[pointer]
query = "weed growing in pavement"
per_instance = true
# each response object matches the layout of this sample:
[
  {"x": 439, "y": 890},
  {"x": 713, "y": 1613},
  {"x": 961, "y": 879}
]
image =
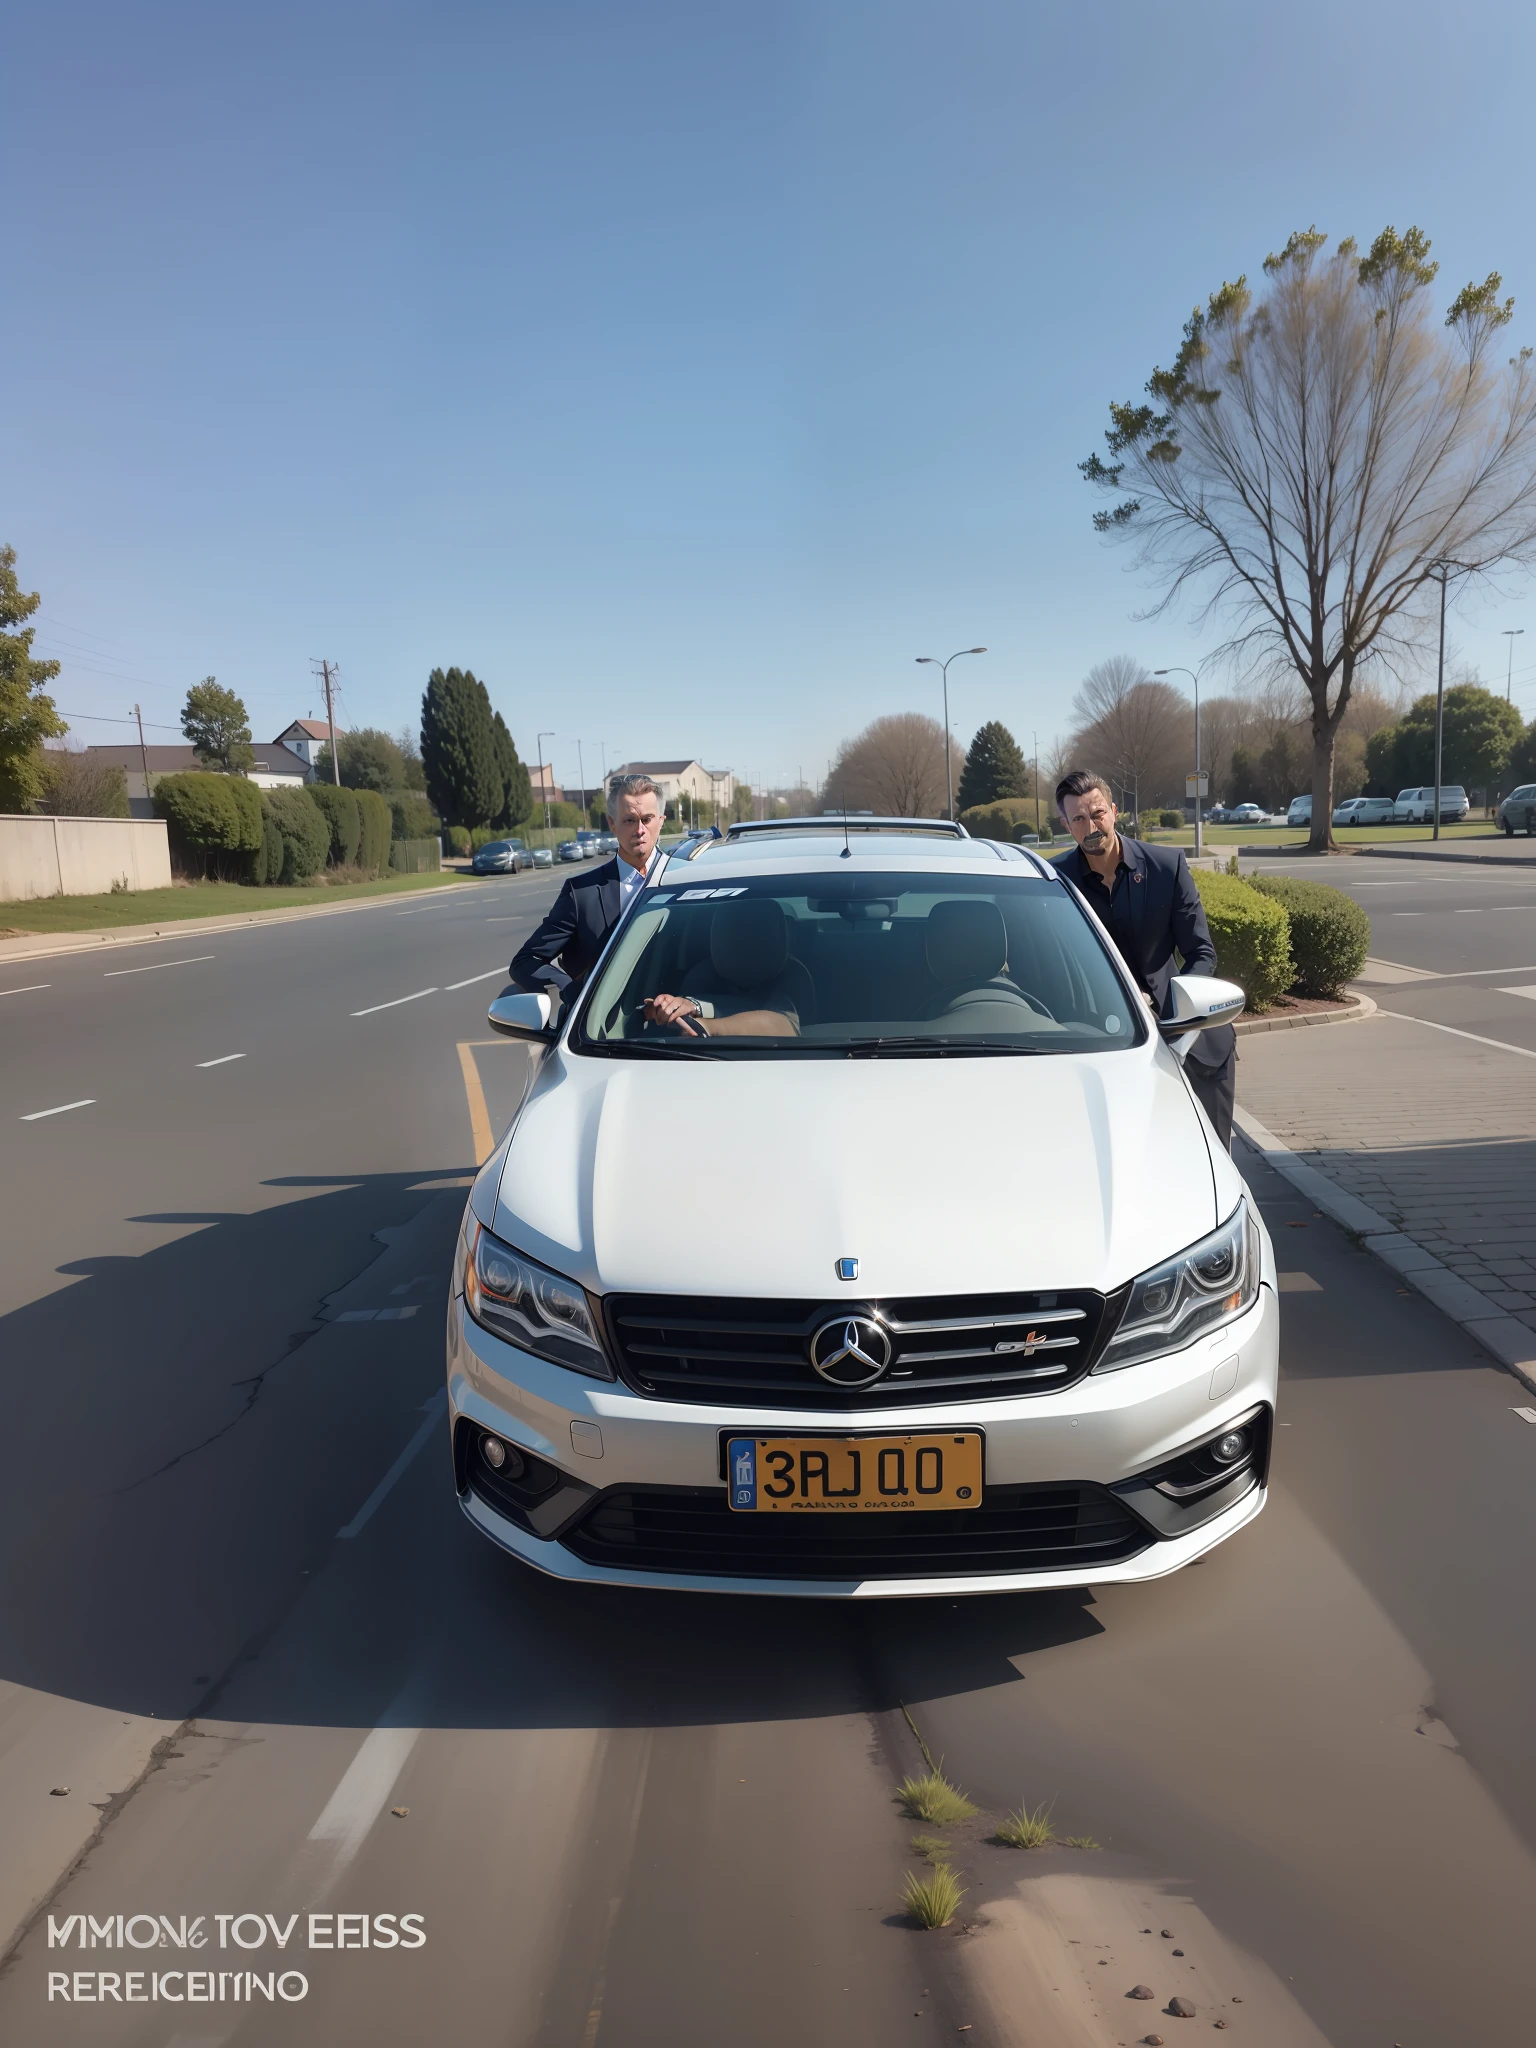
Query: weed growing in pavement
[
  {"x": 1026, "y": 1830},
  {"x": 933, "y": 1901},
  {"x": 1082, "y": 1842},
  {"x": 933, "y": 1798},
  {"x": 932, "y": 1848}
]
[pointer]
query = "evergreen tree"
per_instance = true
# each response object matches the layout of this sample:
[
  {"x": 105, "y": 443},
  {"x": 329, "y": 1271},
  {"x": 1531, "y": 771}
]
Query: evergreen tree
[
  {"x": 994, "y": 768},
  {"x": 27, "y": 718},
  {"x": 518, "y": 801},
  {"x": 458, "y": 749},
  {"x": 215, "y": 721}
]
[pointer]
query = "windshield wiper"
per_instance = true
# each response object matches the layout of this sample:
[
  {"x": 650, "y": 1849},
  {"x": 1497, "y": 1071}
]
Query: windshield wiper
[
  {"x": 937, "y": 1046},
  {"x": 642, "y": 1049}
]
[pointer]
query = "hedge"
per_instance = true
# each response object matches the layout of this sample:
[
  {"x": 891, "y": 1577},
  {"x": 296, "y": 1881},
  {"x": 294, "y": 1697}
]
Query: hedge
[
  {"x": 458, "y": 841},
  {"x": 306, "y": 835},
  {"x": 1005, "y": 819},
  {"x": 1252, "y": 936},
  {"x": 1330, "y": 933},
  {"x": 374, "y": 823},
  {"x": 415, "y": 856},
  {"x": 267, "y": 865},
  {"x": 339, "y": 807},
  {"x": 213, "y": 821},
  {"x": 412, "y": 816}
]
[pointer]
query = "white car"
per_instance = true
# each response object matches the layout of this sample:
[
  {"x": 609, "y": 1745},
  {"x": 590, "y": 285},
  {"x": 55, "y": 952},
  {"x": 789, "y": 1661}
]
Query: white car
[
  {"x": 1247, "y": 814},
  {"x": 862, "y": 1364},
  {"x": 1365, "y": 810},
  {"x": 1300, "y": 812},
  {"x": 1417, "y": 806}
]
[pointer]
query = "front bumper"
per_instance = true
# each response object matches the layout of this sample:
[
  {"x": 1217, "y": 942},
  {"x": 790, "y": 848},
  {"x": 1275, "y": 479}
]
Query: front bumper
[{"x": 1099, "y": 1435}]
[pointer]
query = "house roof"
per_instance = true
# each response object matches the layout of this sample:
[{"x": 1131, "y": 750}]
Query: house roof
[
  {"x": 272, "y": 759},
  {"x": 654, "y": 767},
  {"x": 311, "y": 728},
  {"x": 275, "y": 759}
]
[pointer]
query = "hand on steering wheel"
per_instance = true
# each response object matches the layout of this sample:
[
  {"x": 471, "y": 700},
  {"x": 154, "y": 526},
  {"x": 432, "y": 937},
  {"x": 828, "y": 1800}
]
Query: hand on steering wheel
[{"x": 681, "y": 1012}]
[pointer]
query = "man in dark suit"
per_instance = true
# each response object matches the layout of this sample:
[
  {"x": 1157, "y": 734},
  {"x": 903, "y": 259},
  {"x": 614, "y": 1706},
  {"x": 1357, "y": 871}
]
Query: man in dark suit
[
  {"x": 1145, "y": 897},
  {"x": 565, "y": 948}
]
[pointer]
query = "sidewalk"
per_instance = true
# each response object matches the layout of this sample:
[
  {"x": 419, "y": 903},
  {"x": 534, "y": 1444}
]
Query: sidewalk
[{"x": 1437, "y": 1138}]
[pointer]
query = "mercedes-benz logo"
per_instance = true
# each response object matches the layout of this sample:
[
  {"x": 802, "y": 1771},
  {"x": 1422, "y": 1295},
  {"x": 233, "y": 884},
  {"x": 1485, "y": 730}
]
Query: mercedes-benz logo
[{"x": 851, "y": 1351}]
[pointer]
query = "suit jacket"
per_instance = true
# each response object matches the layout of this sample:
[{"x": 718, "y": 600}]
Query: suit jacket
[
  {"x": 573, "y": 934},
  {"x": 1169, "y": 932}
]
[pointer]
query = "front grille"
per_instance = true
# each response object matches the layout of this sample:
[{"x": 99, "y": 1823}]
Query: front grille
[
  {"x": 947, "y": 1347},
  {"x": 1016, "y": 1529}
]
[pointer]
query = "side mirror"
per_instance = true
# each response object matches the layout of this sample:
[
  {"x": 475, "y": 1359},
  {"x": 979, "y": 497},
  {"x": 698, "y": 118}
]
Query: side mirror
[
  {"x": 1199, "y": 1002},
  {"x": 524, "y": 1016}
]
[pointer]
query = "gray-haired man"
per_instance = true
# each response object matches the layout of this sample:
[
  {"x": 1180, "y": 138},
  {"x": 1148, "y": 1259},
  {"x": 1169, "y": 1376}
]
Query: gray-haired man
[{"x": 565, "y": 948}]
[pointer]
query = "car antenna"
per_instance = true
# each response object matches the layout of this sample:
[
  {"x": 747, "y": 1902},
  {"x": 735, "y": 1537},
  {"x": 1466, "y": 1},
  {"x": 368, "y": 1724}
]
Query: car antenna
[{"x": 847, "y": 852}]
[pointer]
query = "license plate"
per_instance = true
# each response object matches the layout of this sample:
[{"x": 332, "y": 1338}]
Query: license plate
[{"x": 821, "y": 1474}]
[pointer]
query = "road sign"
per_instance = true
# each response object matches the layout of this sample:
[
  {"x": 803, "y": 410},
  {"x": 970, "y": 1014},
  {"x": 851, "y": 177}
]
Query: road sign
[{"x": 1197, "y": 785}]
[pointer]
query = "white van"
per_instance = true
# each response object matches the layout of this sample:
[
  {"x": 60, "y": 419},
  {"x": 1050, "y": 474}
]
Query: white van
[{"x": 1417, "y": 806}]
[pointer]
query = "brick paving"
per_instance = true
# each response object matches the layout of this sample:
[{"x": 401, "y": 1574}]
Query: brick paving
[{"x": 1437, "y": 1134}]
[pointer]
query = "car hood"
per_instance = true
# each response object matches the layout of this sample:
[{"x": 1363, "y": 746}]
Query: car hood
[{"x": 938, "y": 1175}]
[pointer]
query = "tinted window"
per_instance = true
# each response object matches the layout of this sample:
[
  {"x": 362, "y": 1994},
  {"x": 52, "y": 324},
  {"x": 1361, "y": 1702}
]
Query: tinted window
[{"x": 874, "y": 963}]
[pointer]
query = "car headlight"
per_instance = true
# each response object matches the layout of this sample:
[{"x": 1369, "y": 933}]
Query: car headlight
[
  {"x": 540, "y": 1311},
  {"x": 1213, "y": 1282}
]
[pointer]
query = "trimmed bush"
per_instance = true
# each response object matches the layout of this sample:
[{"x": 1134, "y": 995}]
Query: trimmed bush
[
  {"x": 1252, "y": 936},
  {"x": 213, "y": 821},
  {"x": 374, "y": 824},
  {"x": 415, "y": 857},
  {"x": 267, "y": 866},
  {"x": 458, "y": 841},
  {"x": 1330, "y": 933},
  {"x": 305, "y": 833},
  {"x": 1005, "y": 819},
  {"x": 339, "y": 809},
  {"x": 1171, "y": 821},
  {"x": 411, "y": 816}
]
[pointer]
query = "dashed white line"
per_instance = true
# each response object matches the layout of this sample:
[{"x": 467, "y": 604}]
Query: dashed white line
[
  {"x": 434, "y": 1412},
  {"x": 416, "y": 998},
  {"x": 1477, "y": 1038},
  {"x": 1526, "y": 1414},
  {"x": 474, "y": 978},
  {"x": 222, "y": 1061},
  {"x": 113, "y": 973},
  {"x": 58, "y": 1109},
  {"x": 31, "y": 989}
]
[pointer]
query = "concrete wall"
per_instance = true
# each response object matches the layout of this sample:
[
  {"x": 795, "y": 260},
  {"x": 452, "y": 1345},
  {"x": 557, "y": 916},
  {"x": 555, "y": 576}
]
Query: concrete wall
[{"x": 81, "y": 856}]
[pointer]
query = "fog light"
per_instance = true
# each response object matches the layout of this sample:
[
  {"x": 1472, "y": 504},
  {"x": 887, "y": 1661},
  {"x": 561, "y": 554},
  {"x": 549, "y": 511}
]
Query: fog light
[
  {"x": 1229, "y": 1448},
  {"x": 493, "y": 1451}
]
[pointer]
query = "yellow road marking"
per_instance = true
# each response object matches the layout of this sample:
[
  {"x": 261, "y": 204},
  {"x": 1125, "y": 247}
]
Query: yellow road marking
[{"x": 483, "y": 1137}]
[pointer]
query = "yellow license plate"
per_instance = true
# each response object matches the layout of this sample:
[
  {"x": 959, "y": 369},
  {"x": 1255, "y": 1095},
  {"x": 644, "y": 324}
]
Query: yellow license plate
[{"x": 822, "y": 1474}]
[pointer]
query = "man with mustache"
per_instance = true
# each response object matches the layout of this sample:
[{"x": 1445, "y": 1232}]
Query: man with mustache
[{"x": 1145, "y": 897}]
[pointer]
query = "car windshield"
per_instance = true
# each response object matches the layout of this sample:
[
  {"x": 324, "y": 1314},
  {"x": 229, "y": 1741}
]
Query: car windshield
[
  {"x": 867, "y": 964},
  {"x": 495, "y": 846}
]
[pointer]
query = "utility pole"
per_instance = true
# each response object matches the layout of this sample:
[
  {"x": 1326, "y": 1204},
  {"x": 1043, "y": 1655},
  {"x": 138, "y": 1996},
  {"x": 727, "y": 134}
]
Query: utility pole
[
  {"x": 1511, "y": 634},
  {"x": 930, "y": 661},
  {"x": 581, "y": 770},
  {"x": 328, "y": 671},
  {"x": 1034, "y": 741},
  {"x": 143, "y": 750},
  {"x": 543, "y": 785}
]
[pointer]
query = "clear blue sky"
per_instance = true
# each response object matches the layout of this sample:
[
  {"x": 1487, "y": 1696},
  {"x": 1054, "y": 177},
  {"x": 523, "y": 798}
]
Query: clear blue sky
[{"x": 684, "y": 369}]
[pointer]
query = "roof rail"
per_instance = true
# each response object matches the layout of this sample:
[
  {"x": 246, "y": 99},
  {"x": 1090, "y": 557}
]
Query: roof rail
[{"x": 849, "y": 821}]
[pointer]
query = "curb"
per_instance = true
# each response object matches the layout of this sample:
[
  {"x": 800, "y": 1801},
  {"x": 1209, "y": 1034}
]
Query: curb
[
  {"x": 1361, "y": 1007},
  {"x": 1504, "y": 1337},
  {"x": 1488, "y": 860},
  {"x": 50, "y": 945}
]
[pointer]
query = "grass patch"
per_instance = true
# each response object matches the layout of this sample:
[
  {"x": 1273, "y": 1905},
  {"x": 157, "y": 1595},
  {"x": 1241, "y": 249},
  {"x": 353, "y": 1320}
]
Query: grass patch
[
  {"x": 933, "y": 1798},
  {"x": 196, "y": 899},
  {"x": 933, "y": 1901},
  {"x": 1026, "y": 1830},
  {"x": 1082, "y": 1842},
  {"x": 932, "y": 1848}
]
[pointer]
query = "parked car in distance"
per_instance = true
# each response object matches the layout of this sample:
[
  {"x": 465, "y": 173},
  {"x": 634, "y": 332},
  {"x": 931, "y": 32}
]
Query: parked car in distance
[
  {"x": 1517, "y": 813},
  {"x": 1364, "y": 810},
  {"x": 543, "y": 856},
  {"x": 607, "y": 842},
  {"x": 1217, "y": 814},
  {"x": 1300, "y": 812},
  {"x": 569, "y": 849},
  {"x": 1417, "y": 806},
  {"x": 587, "y": 841},
  {"x": 1247, "y": 814},
  {"x": 501, "y": 857}
]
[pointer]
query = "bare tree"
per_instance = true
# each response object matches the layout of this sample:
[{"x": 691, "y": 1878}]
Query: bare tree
[
  {"x": 1136, "y": 732},
  {"x": 76, "y": 784},
  {"x": 1318, "y": 454},
  {"x": 894, "y": 767}
]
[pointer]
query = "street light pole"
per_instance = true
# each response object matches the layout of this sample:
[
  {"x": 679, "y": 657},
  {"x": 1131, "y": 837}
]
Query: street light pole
[
  {"x": 1511, "y": 634},
  {"x": 1196, "y": 681},
  {"x": 543, "y": 785},
  {"x": 949, "y": 765}
]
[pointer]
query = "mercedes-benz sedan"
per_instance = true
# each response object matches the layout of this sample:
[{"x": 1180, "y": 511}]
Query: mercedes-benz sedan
[{"x": 974, "y": 1299}]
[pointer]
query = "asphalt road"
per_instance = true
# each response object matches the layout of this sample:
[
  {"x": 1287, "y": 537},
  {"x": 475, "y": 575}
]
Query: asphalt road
[{"x": 631, "y": 1820}]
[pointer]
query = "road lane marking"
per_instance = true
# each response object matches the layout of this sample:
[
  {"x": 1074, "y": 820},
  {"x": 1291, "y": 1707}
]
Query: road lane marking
[
  {"x": 223, "y": 1061},
  {"x": 366, "y": 1512},
  {"x": 1526, "y": 1414},
  {"x": 474, "y": 978},
  {"x": 482, "y": 1137},
  {"x": 113, "y": 973},
  {"x": 84, "y": 1103},
  {"x": 1468, "y": 913},
  {"x": 420, "y": 907},
  {"x": 1477, "y": 1038},
  {"x": 373, "y": 1011},
  {"x": 1528, "y": 990},
  {"x": 31, "y": 989}
]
